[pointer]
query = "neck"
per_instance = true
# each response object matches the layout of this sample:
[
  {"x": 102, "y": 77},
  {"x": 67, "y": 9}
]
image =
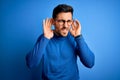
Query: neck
[{"x": 56, "y": 33}]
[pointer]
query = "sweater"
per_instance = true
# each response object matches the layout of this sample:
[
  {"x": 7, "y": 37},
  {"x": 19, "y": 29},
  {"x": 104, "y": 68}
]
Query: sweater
[{"x": 59, "y": 56}]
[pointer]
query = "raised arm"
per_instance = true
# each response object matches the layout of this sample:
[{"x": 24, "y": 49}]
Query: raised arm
[
  {"x": 33, "y": 57},
  {"x": 85, "y": 54}
]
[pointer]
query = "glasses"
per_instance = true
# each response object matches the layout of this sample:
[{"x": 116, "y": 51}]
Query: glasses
[{"x": 62, "y": 22}]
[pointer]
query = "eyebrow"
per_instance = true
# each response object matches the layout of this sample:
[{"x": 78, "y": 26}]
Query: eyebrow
[{"x": 65, "y": 20}]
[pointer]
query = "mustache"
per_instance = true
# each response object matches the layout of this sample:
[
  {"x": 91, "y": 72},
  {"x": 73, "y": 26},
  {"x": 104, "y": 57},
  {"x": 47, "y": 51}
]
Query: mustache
[{"x": 65, "y": 28}]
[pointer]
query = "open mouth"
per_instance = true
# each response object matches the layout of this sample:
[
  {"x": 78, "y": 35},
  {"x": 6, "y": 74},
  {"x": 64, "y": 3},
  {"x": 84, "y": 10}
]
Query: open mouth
[{"x": 64, "y": 30}]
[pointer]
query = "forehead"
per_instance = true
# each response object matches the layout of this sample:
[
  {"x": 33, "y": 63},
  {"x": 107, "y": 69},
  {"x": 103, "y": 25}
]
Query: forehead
[{"x": 65, "y": 15}]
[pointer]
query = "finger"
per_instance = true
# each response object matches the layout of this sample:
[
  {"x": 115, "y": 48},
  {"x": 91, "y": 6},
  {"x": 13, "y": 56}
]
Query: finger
[
  {"x": 46, "y": 21},
  {"x": 73, "y": 25},
  {"x": 71, "y": 30},
  {"x": 49, "y": 22},
  {"x": 43, "y": 23},
  {"x": 77, "y": 23}
]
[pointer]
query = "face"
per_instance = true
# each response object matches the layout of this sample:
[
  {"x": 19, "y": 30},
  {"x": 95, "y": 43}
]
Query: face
[{"x": 63, "y": 23}]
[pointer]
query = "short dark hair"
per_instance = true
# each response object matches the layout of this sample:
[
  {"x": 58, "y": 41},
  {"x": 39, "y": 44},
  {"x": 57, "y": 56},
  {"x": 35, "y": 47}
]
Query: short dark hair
[{"x": 62, "y": 8}]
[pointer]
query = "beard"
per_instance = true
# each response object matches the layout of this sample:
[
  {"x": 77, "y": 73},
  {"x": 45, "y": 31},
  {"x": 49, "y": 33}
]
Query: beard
[{"x": 62, "y": 32}]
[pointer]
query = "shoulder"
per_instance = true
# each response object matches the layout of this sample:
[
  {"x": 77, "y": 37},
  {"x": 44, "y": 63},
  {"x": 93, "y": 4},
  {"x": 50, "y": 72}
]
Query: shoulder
[
  {"x": 70, "y": 37},
  {"x": 41, "y": 36}
]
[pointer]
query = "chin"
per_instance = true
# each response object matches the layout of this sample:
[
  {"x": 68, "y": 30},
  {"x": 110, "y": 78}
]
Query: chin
[{"x": 64, "y": 34}]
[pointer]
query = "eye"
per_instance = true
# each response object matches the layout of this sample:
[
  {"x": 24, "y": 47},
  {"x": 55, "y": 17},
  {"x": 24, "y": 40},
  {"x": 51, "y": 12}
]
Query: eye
[
  {"x": 69, "y": 21},
  {"x": 60, "y": 20}
]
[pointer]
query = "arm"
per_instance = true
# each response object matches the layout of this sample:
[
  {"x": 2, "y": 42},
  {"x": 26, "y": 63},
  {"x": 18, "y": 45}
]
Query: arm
[
  {"x": 34, "y": 57},
  {"x": 85, "y": 54}
]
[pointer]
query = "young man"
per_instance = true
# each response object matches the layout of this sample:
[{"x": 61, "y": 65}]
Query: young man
[{"x": 59, "y": 48}]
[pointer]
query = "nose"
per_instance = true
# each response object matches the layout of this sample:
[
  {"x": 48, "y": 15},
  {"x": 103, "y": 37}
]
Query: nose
[{"x": 65, "y": 24}]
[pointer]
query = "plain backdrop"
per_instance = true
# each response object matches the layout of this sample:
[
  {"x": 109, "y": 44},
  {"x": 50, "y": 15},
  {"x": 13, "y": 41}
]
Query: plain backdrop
[{"x": 21, "y": 25}]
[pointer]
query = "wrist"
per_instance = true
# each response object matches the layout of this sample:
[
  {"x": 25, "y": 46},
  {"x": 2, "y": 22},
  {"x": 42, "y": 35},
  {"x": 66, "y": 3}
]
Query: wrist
[
  {"x": 46, "y": 36},
  {"x": 78, "y": 35}
]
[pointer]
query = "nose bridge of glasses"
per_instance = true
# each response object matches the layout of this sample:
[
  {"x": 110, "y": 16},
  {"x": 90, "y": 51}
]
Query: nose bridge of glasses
[
  {"x": 63, "y": 22},
  {"x": 68, "y": 21}
]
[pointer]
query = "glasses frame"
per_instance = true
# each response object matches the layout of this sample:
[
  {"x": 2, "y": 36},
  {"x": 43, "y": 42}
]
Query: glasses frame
[{"x": 62, "y": 22}]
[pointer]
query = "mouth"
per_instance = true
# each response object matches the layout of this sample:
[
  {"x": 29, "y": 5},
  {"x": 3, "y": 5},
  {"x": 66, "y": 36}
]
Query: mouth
[{"x": 64, "y": 30}]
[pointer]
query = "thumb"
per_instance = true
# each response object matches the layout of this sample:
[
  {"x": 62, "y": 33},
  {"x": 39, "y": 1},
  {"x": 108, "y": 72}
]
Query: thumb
[{"x": 71, "y": 31}]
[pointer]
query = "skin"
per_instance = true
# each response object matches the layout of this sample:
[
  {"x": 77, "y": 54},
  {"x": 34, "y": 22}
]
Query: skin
[{"x": 61, "y": 30}]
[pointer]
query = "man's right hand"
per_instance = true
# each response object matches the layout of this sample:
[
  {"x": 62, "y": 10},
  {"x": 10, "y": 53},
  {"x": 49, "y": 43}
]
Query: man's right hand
[{"x": 48, "y": 32}]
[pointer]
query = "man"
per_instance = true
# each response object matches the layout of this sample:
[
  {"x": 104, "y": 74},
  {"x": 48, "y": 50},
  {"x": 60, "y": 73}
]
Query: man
[{"x": 60, "y": 47}]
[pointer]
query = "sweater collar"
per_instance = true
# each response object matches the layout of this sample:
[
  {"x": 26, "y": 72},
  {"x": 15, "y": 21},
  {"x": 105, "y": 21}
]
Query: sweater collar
[{"x": 59, "y": 37}]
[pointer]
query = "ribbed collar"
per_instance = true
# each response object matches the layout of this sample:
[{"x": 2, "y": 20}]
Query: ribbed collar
[{"x": 60, "y": 37}]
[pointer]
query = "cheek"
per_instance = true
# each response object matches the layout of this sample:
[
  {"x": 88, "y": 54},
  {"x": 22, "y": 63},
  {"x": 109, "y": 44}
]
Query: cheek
[
  {"x": 57, "y": 27},
  {"x": 69, "y": 27}
]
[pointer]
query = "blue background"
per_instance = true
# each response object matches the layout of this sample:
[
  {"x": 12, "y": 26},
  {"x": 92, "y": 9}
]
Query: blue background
[{"x": 21, "y": 24}]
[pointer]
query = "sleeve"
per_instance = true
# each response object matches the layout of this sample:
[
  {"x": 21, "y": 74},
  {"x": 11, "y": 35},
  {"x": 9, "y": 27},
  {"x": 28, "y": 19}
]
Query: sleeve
[
  {"x": 35, "y": 55},
  {"x": 85, "y": 54}
]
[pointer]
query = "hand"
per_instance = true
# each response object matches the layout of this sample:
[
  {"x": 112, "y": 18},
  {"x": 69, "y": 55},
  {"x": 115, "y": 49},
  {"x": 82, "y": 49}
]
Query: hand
[
  {"x": 48, "y": 33},
  {"x": 76, "y": 28}
]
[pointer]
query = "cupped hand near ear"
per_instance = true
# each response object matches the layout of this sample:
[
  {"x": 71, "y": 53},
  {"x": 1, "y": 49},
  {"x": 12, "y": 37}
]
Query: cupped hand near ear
[
  {"x": 47, "y": 24},
  {"x": 76, "y": 28}
]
